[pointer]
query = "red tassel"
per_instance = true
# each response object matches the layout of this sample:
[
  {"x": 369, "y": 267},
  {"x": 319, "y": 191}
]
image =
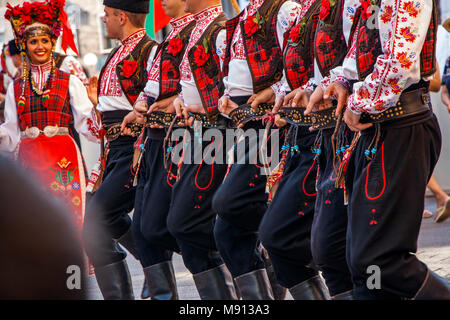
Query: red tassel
[{"x": 67, "y": 35}]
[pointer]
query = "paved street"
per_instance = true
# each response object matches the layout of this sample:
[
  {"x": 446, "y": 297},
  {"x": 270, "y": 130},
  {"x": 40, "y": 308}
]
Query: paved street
[{"x": 433, "y": 249}]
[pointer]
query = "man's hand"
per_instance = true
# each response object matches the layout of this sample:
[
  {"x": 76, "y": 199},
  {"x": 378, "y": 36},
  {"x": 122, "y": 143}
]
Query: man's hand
[
  {"x": 2, "y": 97},
  {"x": 316, "y": 101},
  {"x": 92, "y": 90},
  {"x": 197, "y": 108},
  {"x": 276, "y": 108},
  {"x": 165, "y": 105},
  {"x": 226, "y": 105},
  {"x": 140, "y": 109},
  {"x": 129, "y": 118},
  {"x": 448, "y": 108},
  {"x": 352, "y": 121},
  {"x": 340, "y": 92},
  {"x": 265, "y": 96},
  {"x": 298, "y": 97}
]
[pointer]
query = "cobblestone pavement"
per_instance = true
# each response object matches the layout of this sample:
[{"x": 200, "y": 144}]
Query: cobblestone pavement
[{"x": 433, "y": 249}]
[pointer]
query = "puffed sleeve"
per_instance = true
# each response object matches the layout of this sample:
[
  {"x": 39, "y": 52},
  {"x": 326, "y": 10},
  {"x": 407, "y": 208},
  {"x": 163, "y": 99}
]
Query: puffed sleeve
[
  {"x": 9, "y": 130},
  {"x": 85, "y": 118}
]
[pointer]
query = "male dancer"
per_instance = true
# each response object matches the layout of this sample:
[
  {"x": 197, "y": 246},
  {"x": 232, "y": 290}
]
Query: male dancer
[
  {"x": 191, "y": 217},
  {"x": 153, "y": 240},
  {"x": 122, "y": 79},
  {"x": 390, "y": 107},
  {"x": 253, "y": 63},
  {"x": 285, "y": 230}
]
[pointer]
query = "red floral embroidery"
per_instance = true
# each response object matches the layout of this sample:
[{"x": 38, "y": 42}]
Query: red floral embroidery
[
  {"x": 404, "y": 60},
  {"x": 407, "y": 34},
  {"x": 410, "y": 9},
  {"x": 365, "y": 5},
  {"x": 175, "y": 46},
  {"x": 129, "y": 67}
]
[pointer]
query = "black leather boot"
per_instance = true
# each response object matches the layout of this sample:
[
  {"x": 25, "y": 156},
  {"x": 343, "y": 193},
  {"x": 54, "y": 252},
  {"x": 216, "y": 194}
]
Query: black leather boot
[
  {"x": 347, "y": 295},
  {"x": 215, "y": 284},
  {"x": 127, "y": 241},
  {"x": 311, "y": 289},
  {"x": 114, "y": 281},
  {"x": 433, "y": 288},
  {"x": 255, "y": 285},
  {"x": 161, "y": 281},
  {"x": 279, "y": 292}
]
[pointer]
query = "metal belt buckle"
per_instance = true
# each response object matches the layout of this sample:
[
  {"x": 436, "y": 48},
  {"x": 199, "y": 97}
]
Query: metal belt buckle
[
  {"x": 51, "y": 131},
  {"x": 425, "y": 98},
  {"x": 32, "y": 132}
]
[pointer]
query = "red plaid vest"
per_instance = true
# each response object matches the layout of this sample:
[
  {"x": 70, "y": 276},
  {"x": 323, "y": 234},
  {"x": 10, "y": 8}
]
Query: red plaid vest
[
  {"x": 299, "y": 57},
  {"x": 208, "y": 77},
  {"x": 264, "y": 54},
  {"x": 368, "y": 47},
  {"x": 169, "y": 71},
  {"x": 330, "y": 46},
  {"x": 56, "y": 113},
  {"x": 135, "y": 84}
]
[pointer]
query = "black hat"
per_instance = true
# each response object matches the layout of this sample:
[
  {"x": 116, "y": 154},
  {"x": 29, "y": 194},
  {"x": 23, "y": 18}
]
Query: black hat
[
  {"x": 134, "y": 6},
  {"x": 13, "y": 49}
]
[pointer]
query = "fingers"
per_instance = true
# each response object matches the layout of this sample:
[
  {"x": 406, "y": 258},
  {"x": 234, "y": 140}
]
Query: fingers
[
  {"x": 223, "y": 102},
  {"x": 280, "y": 122},
  {"x": 289, "y": 97},
  {"x": 153, "y": 107},
  {"x": 256, "y": 102},
  {"x": 296, "y": 99},
  {"x": 278, "y": 105}
]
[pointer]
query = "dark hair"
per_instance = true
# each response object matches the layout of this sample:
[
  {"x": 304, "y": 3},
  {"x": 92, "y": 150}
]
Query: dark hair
[{"x": 13, "y": 49}]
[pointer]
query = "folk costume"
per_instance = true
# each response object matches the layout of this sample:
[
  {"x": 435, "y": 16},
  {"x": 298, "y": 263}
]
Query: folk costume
[
  {"x": 191, "y": 218},
  {"x": 121, "y": 80},
  {"x": 390, "y": 166},
  {"x": 285, "y": 230},
  {"x": 329, "y": 228},
  {"x": 42, "y": 105},
  {"x": 153, "y": 240},
  {"x": 252, "y": 63}
]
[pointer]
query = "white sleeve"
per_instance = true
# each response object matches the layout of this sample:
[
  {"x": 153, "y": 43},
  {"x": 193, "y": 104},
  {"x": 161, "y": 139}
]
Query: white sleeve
[
  {"x": 151, "y": 58},
  {"x": 287, "y": 16},
  {"x": 72, "y": 66},
  {"x": 9, "y": 130},
  {"x": 221, "y": 46},
  {"x": 85, "y": 119}
]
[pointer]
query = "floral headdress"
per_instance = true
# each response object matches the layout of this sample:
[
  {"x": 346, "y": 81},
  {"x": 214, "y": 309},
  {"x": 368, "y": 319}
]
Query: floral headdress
[{"x": 38, "y": 18}]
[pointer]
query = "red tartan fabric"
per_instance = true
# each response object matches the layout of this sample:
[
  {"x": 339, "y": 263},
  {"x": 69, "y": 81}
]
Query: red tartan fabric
[
  {"x": 330, "y": 45},
  {"x": 169, "y": 78},
  {"x": 56, "y": 112},
  {"x": 264, "y": 54},
  {"x": 299, "y": 58},
  {"x": 208, "y": 77}
]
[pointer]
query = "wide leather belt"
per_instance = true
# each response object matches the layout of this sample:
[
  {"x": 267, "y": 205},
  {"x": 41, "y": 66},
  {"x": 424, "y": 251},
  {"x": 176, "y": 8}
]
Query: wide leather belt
[
  {"x": 410, "y": 103},
  {"x": 165, "y": 119},
  {"x": 295, "y": 116},
  {"x": 49, "y": 131},
  {"x": 245, "y": 113},
  {"x": 159, "y": 118},
  {"x": 113, "y": 131}
]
